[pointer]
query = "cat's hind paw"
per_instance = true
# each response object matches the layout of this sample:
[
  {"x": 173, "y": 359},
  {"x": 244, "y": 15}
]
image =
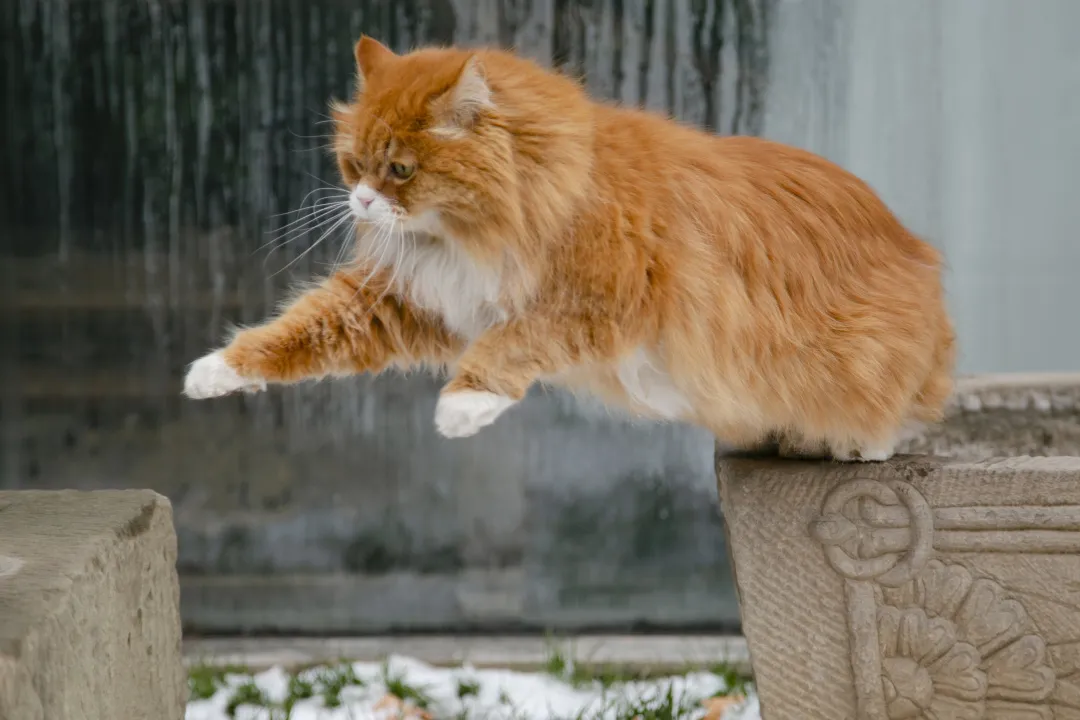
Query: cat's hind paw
[
  {"x": 871, "y": 452},
  {"x": 462, "y": 414},
  {"x": 210, "y": 376},
  {"x": 797, "y": 448}
]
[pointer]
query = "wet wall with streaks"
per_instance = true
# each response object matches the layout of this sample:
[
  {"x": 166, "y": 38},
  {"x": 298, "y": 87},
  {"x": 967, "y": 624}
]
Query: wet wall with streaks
[{"x": 154, "y": 152}]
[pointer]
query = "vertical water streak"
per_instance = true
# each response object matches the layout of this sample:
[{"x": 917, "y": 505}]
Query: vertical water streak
[
  {"x": 11, "y": 401},
  {"x": 56, "y": 26},
  {"x": 204, "y": 107}
]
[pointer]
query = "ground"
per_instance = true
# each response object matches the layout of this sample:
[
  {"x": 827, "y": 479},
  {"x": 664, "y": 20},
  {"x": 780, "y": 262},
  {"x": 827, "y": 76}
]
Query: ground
[{"x": 403, "y": 688}]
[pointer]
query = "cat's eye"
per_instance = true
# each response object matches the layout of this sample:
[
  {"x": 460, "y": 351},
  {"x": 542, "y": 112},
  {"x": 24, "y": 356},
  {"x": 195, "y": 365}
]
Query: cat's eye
[{"x": 401, "y": 171}]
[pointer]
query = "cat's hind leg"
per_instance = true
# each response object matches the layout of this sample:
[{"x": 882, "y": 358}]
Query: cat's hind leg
[{"x": 795, "y": 446}]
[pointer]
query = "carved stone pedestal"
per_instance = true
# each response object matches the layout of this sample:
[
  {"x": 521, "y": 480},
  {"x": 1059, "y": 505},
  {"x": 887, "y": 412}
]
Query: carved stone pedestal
[{"x": 921, "y": 588}]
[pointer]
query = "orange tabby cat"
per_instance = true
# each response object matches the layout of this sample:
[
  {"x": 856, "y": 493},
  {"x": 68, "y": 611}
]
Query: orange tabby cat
[{"x": 516, "y": 232}]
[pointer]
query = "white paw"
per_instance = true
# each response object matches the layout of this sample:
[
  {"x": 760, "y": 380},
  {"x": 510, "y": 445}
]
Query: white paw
[
  {"x": 461, "y": 414},
  {"x": 851, "y": 452},
  {"x": 210, "y": 376},
  {"x": 875, "y": 454}
]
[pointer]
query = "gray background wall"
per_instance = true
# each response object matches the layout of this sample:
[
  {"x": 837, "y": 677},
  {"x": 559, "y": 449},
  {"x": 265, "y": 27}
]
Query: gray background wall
[
  {"x": 963, "y": 114},
  {"x": 151, "y": 144}
]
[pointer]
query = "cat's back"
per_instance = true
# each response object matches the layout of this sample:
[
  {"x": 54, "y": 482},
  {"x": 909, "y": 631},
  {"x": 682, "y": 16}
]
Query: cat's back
[
  {"x": 783, "y": 286},
  {"x": 640, "y": 139},
  {"x": 760, "y": 189}
]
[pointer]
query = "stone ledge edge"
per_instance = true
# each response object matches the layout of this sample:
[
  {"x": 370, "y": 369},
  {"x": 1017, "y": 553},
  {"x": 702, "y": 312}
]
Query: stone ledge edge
[{"x": 1041, "y": 392}]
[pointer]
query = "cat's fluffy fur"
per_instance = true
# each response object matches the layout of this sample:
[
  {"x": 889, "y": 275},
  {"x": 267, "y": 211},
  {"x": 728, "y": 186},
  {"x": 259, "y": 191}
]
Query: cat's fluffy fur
[{"x": 528, "y": 234}]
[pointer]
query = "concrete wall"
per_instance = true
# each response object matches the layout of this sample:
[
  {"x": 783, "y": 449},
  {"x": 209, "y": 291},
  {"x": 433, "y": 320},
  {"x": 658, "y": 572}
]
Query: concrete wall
[
  {"x": 963, "y": 115},
  {"x": 152, "y": 146}
]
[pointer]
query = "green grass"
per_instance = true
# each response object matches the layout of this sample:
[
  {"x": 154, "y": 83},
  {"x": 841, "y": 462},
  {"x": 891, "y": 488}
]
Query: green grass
[
  {"x": 557, "y": 665},
  {"x": 467, "y": 688},
  {"x": 735, "y": 683},
  {"x": 246, "y": 694},
  {"x": 299, "y": 689},
  {"x": 579, "y": 675},
  {"x": 396, "y": 686},
  {"x": 201, "y": 684},
  {"x": 205, "y": 680},
  {"x": 329, "y": 682},
  {"x": 583, "y": 674},
  {"x": 662, "y": 705}
]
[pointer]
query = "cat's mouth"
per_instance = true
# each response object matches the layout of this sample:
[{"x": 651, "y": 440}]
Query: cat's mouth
[{"x": 370, "y": 206}]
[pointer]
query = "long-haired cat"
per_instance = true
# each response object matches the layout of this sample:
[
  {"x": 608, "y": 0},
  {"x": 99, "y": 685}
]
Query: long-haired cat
[{"x": 514, "y": 231}]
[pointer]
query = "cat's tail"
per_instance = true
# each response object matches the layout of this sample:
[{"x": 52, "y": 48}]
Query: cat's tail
[{"x": 930, "y": 401}]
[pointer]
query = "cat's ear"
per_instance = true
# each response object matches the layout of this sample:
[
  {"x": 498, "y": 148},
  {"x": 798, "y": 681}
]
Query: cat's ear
[
  {"x": 370, "y": 53},
  {"x": 458, "y": 109}
]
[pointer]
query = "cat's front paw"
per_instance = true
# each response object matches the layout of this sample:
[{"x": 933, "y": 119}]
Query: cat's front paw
[
  {"x": 210, "y": 376},
  {"x": 461, "y": 414}
]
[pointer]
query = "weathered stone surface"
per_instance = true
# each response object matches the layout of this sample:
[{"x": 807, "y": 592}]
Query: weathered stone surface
[
  {"x": 654, "y": 653},
  {"x": 1017, "y": 414},
  {"x": 918, "y": 588},
  {"x": 89, "y": 616}
]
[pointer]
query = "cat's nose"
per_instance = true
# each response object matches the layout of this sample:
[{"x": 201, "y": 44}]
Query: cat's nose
[{"x": 366, "y": 201}]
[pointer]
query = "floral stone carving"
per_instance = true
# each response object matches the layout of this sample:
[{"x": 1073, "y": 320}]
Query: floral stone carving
[
  {"x": 951, "y": 664},
  {"x": 929, "y": 589}
]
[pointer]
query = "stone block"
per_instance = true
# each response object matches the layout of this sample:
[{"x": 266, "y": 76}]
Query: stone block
[
  {"x": 89, "y": 607},
  {"x": 920, "y": 588}
]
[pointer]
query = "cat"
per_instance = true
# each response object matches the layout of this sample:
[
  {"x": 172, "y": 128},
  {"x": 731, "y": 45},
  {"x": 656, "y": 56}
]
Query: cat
[{"x": 516, "y": 232}]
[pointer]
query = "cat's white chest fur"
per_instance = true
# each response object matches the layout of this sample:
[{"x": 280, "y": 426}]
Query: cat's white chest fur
[
  {"x": 437, "y": 275},
  {"x": 442, "y": 278},
  {"x": 648, "y": 384}
]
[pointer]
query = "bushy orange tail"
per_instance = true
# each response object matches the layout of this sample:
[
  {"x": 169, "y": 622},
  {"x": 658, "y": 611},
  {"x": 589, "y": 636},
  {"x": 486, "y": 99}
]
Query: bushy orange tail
[{"x": 931, "y": 398}]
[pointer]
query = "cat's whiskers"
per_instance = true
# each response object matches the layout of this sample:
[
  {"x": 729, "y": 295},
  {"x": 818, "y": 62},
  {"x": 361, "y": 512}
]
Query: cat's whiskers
[
  {"x": 328, "y": 136},
  {"x": 328, "y": 146},
  {"x": 399, "y": 246},
  {"x": 338, "y": 190},
  {"x": 311, "y": 222},
  {"x": 350, "y": 242},
  {"x": 372, "y": 249},
  {"x": 321, "y": 208},
  {"x": 385, "y": 243},
  {"x": 378, "y": 243},
  {"x": 323, "y": 183},
  {"x": 315, "y": 244}
]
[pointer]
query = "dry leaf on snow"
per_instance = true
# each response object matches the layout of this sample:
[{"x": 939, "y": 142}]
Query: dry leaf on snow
[
  {"x": 717, "y": 706},
  {"x": 400, "y": 710}
]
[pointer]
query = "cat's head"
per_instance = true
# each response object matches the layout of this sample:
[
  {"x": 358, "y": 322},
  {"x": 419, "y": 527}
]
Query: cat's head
[
  {"x": 416, "y": 145},
  {"x": 456, "y": 142}
]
